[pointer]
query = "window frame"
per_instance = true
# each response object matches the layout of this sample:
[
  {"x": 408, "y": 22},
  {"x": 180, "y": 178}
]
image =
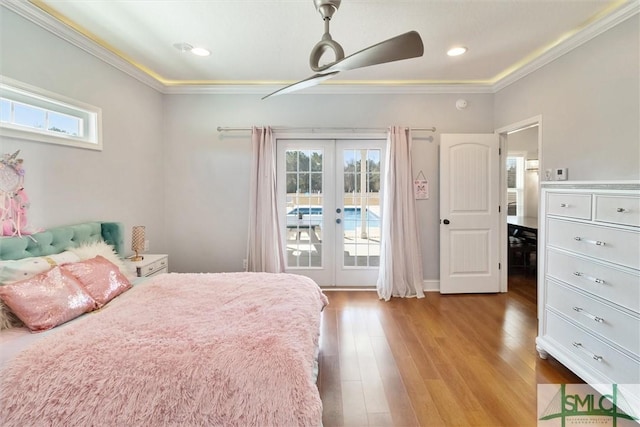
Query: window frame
[
  {"x": 518, "y": 190},
  {"x": 16, "y": 92}
]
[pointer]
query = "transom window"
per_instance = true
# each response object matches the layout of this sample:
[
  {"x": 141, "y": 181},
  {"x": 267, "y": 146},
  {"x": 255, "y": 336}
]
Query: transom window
[{"x": 27, "y": 112}]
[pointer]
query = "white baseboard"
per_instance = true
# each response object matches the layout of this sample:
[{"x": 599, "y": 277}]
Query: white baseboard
[
  {"x": 427, "y": 286},
  {"x": 431, "y": 285}
]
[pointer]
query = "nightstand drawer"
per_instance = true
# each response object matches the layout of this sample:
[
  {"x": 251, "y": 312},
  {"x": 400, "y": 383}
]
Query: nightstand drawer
[
  {"x": 623, "y": 210},
  {"x": 569, "y": 205},
  {"x": 159, "y": 266},
  {"x": 151, "y": 265}
]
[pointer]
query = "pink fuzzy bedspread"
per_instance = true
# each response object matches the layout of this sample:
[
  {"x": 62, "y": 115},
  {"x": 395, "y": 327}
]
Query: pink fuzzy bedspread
[{"x": 233, "y": 349}]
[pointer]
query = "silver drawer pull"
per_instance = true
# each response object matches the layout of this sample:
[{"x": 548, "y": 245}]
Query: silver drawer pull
[
  {"x": 589, "y": 315},
  {"x": 564, "y": 205},
  {"x": 621, "y": 210},
  {"x": 580, "y": 347},
  {"x": 593, "y": 242},
  {"x": 584, "y": 276}
]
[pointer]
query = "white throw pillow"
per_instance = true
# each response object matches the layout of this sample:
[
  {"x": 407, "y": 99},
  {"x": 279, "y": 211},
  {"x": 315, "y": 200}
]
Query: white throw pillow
[
  {"x": 102, "y": 248},
  {"x": 25, "y": 268}
]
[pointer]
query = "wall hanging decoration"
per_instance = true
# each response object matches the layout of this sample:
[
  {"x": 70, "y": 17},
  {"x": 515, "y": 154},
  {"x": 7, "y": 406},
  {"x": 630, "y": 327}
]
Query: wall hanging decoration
[
  {"x": 13, "y": 198},
  {"x": 421, "y": 187}
]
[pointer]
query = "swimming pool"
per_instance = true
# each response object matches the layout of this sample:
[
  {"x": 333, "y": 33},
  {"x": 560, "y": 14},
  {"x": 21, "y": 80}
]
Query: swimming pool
[
  {"x": 312, "y": 215},
  {"x": 352, "y": 219}
]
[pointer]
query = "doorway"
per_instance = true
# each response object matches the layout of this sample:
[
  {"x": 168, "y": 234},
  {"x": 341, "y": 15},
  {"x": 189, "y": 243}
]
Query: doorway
[
  {"x": 521, "y": 147},
  {"x": 329, "y": 198}
]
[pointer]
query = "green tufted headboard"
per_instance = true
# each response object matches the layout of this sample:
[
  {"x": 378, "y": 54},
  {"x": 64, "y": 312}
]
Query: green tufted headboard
[{"x": 58, "y": 239}]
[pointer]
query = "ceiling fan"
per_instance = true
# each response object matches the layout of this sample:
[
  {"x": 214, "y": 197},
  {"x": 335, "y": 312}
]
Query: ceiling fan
[{"x": 404, "y": 46}]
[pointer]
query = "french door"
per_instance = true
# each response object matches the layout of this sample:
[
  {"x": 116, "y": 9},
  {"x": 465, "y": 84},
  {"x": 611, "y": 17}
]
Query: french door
[{"x": 330, "y": 194}]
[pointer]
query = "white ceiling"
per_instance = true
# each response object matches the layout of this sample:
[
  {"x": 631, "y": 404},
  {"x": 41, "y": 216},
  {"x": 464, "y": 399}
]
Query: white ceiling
[{"x": 265, "y": 43}]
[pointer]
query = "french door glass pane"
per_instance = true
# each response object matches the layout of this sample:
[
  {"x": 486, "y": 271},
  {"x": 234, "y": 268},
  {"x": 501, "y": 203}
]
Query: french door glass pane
[
  {"x": 304, "y": 177},
  {"x": 361, "y": 215}
]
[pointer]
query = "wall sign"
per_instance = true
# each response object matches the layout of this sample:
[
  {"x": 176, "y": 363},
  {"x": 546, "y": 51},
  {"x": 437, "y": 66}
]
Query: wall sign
[{"x": 421, "y": 187}]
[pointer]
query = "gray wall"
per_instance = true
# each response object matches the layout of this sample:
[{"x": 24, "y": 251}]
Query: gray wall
[
  {"x": 66, "y": 185},
  {"x": 164, "y": 164},
  {"x": 207, "y": 172},
  {"x": 589, "y": 102}
]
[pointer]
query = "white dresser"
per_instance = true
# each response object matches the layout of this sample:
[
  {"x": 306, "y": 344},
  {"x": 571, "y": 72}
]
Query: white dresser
[{"x": 589, "y": 281}]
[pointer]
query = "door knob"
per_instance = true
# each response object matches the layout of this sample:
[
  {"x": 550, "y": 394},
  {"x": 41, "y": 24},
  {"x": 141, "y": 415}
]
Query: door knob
[
  {"x": 338, "y": 221},
  {"x": 446, "y": 221},
  {"x": 338, "y": 210}
]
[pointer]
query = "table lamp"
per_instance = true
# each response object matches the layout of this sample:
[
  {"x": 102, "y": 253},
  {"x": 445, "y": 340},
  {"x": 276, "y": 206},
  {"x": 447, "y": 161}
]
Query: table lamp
[{"x": 137, "y": 242}]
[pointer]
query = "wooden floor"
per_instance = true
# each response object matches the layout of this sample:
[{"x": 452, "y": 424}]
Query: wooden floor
[{"x": 445, "y": 360}]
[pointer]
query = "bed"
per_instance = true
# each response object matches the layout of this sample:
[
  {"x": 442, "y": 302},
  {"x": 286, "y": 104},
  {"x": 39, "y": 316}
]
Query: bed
[{"x": 232, "y": 349}]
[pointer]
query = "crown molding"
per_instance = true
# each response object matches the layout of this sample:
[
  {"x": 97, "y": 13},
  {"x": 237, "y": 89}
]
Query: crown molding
[
  {"x": 330, "y": 89},
  {"x": 41, "y": 18},
  {"x": 622, "y": 14}
]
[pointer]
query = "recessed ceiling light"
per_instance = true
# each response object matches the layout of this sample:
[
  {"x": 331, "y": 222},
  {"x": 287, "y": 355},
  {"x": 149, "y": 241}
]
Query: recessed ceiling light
[
  {"x": 186, "y": 47},
  {"x": 183, "y": 47},
  {"x": 200, "y": 51},
  {"x": 455, "y": 51}
]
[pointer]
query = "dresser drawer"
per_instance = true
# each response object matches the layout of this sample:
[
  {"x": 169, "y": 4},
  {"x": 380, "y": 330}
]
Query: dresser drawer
[
  {"x": 611, "y": 324},
  {"x": 604, "y": 243},
  {"x": 613, "y": 284},
  {"x": 615, "y": 365},
  {"x": 623, "y": 210},
  {"x": 569, "y": 205}
]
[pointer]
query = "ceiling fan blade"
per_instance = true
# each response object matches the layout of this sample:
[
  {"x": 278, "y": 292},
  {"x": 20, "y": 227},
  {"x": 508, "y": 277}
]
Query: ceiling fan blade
[
  {"x": 404, "y": 46},
  {"x": 303, "y": 84}
]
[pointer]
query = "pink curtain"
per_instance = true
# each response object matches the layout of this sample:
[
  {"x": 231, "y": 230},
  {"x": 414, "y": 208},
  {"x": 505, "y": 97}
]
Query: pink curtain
[
  {"x": 264, "y": 246},
  {"x": 400, "y": 259}
]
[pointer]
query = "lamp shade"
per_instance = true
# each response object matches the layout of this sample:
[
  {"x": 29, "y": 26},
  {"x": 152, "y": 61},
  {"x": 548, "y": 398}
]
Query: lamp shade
[{"x": 137, "y": 238}]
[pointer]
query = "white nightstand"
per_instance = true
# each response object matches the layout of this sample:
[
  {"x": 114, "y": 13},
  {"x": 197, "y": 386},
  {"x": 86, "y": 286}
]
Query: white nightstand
[{"x": 151, "y": 265}]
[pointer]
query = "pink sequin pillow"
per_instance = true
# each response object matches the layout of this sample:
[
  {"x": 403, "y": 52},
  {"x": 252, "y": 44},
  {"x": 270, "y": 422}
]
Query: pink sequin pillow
[
  {"x": 100, "y": 277},
  {"x": 47, "y": 299}
]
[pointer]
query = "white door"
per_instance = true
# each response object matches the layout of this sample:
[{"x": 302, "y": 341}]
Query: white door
[
  {"x": 469, "y": 213},
  {"x": 329, "y": 198}
]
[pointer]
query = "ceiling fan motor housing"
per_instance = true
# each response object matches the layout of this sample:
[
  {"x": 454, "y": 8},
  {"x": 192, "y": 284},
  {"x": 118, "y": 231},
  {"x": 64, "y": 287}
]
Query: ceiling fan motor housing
[{"x": 327, "y": 7}]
